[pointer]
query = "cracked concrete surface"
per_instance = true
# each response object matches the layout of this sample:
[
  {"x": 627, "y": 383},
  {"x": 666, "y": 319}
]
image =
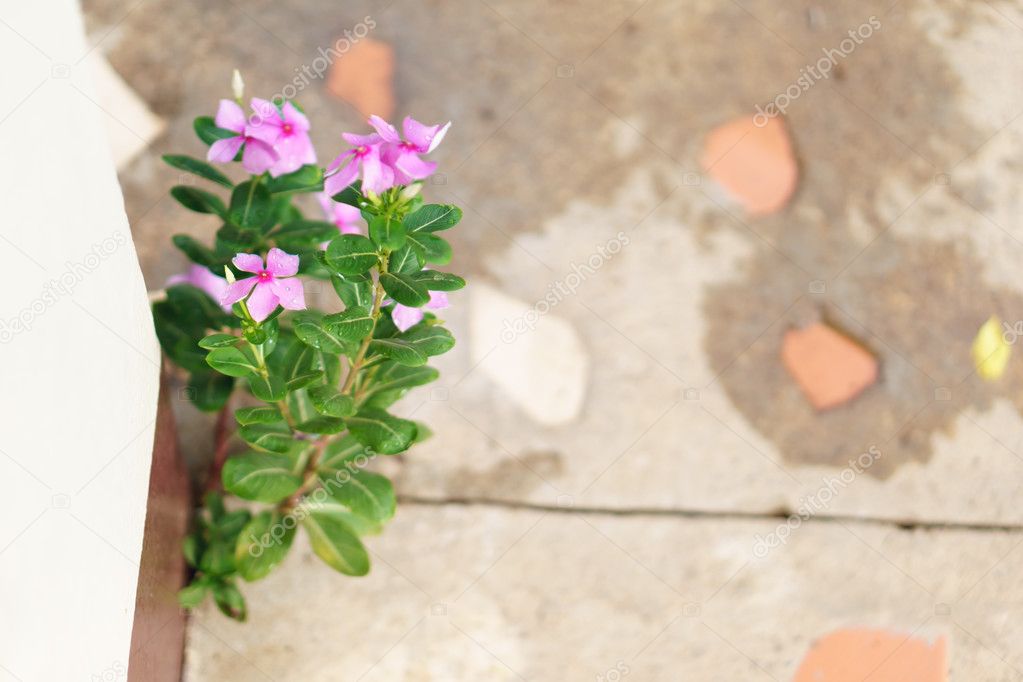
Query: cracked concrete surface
[{"x": 629, "y": 535}]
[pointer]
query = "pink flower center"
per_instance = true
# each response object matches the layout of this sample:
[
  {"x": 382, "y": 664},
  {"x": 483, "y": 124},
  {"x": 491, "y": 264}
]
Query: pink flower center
[
  {"x": 409, "y": 147},
  {"x": 287, "y": 128},
  {"x": 361, "y": 151},
  {"x": 264, "y": 276}
]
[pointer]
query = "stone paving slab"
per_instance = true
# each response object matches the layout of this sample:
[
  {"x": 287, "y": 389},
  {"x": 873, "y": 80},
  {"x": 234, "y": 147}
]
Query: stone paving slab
[
  {"x": 903, "y": 233},
  {"x": 496, "y": 594}
]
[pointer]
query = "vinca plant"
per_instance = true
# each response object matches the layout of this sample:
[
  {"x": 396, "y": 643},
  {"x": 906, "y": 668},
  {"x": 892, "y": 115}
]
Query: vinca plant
[{"x": 310, "y": 390}]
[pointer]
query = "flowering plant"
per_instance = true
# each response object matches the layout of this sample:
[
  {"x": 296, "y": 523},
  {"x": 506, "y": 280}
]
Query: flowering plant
[{"x": 316, "y": 385}]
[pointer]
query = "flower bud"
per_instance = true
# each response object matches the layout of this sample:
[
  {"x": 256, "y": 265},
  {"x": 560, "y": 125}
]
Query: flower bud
[
  {"x": 237, "y": 85},
  {"x": 411, "y": 191}
]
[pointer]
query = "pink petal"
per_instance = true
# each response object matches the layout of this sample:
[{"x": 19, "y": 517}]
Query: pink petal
[
  {"x": 295, "y": 151},
  {"x": 438, "y": 137},
  {"x": 281, "y": 264},
  {"x": 224, "y": 151},
  {"x": 405, "y": 317},
  {"x": 438, "y": 300},
  {"x": 384, "y": 129},
  {"x": 414, "y": 167},
  {"x": 295, "y": 117},
  {"x": 376, "y": 177},
  {"x": 342, "y": 178},
  {"x": 425, "y": 137},
  {"x": 359, "y": 140},
  {"x": 237, "y": 291},
  {"x": 262, "y": 302},
  {"x": 230, "y": 116},
  {"x": 248, "y": 262},
  {"x": 258, "y": 156},
  {"x": 290, "y": 293}
]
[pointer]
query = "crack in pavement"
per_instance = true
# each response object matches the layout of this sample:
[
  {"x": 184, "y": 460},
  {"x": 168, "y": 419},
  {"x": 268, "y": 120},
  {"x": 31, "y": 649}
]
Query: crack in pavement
[{"x": 710, "y": 515}]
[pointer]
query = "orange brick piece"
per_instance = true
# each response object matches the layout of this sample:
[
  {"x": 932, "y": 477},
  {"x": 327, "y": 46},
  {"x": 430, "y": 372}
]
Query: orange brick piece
[
  {"x": 364, "y": 77},
  {"x": 830, "y": 367},
  {"x": 754, "y": 163},
  {"x": 855, "y": 655}
]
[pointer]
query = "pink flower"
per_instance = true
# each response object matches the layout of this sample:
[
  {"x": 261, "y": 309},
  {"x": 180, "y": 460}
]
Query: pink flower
[
  {"x": 403, "y": 155},
  {"x": 201, "y": 278},
  {"x": 365, "y": 157},
  {"x": 344, "y": 216},
  {"x": 268, "y": 288},
  {"x": 287, "y": 130},
  {"x": 405, "y": 317},
  {"x": 258, "y": 155}
]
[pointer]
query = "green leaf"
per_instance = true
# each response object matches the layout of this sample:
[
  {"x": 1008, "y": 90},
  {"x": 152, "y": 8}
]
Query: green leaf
[
  {"x": 351, "y": 254},
  {"x": 299, "y": 235},
  {"x": 404, "y": 289},
  {"x": 196, "y": 252},
  {"x": 398, "y": 350},
  {"x": 251, "y": 205},
  {"x": 308, "y": 178},
  {"x": 258, "y": 415},
  {"x": 218, "y": 341},
  {"x": 438, "y": 281},
  {"x": 386, "y": 232},
  {"x": 336, "y": 543},
  {"x": 329, "y": 402},
  {"x": 209, "y": 391},
  {"x": 342, "y": 455},
  {"x": 431, "y": 249},
  {"x": 393, "y": 376},
  {"x": 198, "y": 200},
  {"x": 381, "y": 431},
  {"x": 209, "y": 132},
  {"x": 353, "y": 291},
  {"x": 430, "y": 340},
  {"x": 197, "y": 167},
  {"x": 191, "y": 596},
  {"x": 231, "y": 239},
  {"x": 260, "y": 477},
  {"x": 263, "y": 544},
  {"x": 327, "y": 425},
  {"x": 271, "y": 437},
  {"x": 405, "y": 261},
  {"x": 368, "y": 495},
  {"x": 268, "y": 389},
  {"x": 352, "y": 324},
  {"x": 350, "y": 195},
  {"x": 230, "y": 361},
  {"x": 304, "y": 379},
  {"x": 230, "y": 601},
  {"x": 433, "y": 218},
  {"x": 313, "y": 330}
]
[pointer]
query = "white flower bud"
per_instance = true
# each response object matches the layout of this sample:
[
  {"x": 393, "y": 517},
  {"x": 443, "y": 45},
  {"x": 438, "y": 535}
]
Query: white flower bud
[
  {"x": 411, "y": 191},
  {"x": 228, "y": 275},
  {"x": 237, "y": 85}
]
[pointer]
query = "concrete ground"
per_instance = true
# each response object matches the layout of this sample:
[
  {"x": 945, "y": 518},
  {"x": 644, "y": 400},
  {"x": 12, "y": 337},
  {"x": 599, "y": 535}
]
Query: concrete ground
[{"x": 600, "y": 490}]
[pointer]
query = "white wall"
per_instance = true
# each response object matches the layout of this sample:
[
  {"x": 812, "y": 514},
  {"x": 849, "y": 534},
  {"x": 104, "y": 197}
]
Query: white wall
[{"x": 78, "y": 388}]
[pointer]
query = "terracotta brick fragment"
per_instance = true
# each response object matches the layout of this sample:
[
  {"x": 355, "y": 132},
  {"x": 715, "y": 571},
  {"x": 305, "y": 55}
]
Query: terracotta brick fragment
[
  {"x": 754, "y": 163},
  {"x": 855, "y": 655},
  {"x": 364, "y": 77},
  {"x": 830, "y": 367}
]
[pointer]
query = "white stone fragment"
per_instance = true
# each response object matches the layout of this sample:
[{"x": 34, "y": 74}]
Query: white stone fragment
[{"x": 538, "y": 360}]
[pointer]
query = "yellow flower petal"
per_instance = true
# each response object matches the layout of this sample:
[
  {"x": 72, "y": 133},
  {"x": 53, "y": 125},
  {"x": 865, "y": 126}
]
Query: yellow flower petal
[{"x": 990, "y": 350}]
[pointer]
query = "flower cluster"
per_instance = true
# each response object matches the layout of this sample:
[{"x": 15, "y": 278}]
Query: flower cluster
[
  {"x": 383, "y": 159},
  {"x": 319, "y": 384}
]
